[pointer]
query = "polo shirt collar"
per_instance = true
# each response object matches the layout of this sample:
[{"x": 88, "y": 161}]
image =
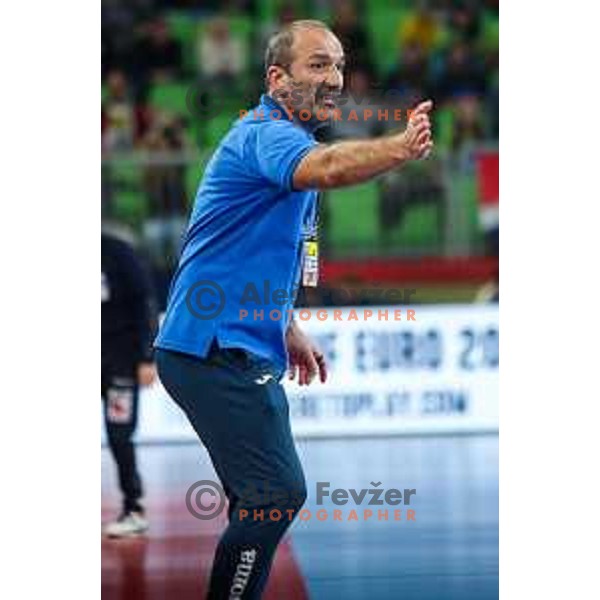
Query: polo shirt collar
[{"x": 311, "y": 126}]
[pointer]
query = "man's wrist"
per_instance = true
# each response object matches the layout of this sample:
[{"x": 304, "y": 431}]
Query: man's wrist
[
  {"x": 399, "y": 149},
  {"x": 292, "y": 325}
]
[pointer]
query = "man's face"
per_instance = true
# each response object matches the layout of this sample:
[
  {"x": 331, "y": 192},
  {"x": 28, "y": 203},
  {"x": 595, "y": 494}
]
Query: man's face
[{"x": 315, "y": 77}]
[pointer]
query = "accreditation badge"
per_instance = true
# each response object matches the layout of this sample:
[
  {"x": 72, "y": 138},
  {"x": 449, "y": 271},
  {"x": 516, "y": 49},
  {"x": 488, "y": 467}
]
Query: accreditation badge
[{"x": 310, "y": 262}]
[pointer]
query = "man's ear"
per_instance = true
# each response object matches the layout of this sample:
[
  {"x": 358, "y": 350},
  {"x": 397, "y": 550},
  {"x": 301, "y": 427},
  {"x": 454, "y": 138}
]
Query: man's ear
[{"x": 276, "y": 77}]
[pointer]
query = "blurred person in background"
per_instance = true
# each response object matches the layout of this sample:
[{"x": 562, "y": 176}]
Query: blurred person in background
[
  {"x": 468, "y": 121},
  {"x": 464, "y": 21},
  {"x": 117, "y": 42},
  {"x": 221, "y": 55},
  {"x": 159, "y": 56},
  {"x": 118, "y": 114},
  {"x": 164, "y": 184},
  {"x": 421, "y": 28},
  {"x": 492, "y": 98},
  {"x": 350, "y": 31},
  {"x": 128, "y": 323},
  {"x": 409, "y": 77},
  {"x": 461, "y": 71},
  {"x": 401, "y": 190}
]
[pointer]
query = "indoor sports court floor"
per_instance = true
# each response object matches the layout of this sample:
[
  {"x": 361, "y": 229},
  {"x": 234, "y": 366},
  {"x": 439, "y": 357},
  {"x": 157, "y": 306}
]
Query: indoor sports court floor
[{"x": 449, "y": 552}]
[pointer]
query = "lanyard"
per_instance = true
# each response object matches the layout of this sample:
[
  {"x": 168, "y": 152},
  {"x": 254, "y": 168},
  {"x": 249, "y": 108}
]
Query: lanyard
[
  {"x": 310, "y": 248},
  {"x": 312, "y": 220}
]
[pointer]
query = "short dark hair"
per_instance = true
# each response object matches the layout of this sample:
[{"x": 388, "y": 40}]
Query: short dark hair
[{"x": 279, "y": 47}]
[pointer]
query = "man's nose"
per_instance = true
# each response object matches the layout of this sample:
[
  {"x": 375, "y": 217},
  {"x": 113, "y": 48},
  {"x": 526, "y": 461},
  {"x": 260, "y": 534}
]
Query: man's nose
[{"x": 335, "y": 79}]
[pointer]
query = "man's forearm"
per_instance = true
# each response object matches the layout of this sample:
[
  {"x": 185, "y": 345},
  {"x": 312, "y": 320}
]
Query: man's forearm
[{"x": 349, "y": 163}]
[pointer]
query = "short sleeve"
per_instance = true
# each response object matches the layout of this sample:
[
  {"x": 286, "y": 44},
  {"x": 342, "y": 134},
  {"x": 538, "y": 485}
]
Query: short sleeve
[{"x": 280, "y": 146}]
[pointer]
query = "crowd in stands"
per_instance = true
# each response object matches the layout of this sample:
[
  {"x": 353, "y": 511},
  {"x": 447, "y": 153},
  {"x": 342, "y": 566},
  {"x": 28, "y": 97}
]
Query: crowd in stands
[
  {"x": 446, "y": 50},
  {"x": 441, "y": 49}
]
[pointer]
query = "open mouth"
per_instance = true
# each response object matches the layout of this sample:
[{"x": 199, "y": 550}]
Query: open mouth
[{"x": 328, "y": 101}]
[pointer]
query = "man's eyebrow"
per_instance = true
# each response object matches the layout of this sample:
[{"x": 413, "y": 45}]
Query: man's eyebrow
[{"x": 326, "y": 56}]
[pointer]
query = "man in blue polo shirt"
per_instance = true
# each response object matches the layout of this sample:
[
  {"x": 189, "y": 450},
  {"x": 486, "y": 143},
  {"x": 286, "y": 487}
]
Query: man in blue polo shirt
[{"x": 228, "y": 335}]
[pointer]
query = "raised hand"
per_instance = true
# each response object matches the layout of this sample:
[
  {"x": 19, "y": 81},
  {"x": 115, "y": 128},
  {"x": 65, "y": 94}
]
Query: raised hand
[{"x": 416, "y": 138}]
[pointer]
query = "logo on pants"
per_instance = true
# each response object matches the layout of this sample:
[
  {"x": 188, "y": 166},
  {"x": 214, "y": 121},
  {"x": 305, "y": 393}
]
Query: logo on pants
[{"x": 242, "y": 574}]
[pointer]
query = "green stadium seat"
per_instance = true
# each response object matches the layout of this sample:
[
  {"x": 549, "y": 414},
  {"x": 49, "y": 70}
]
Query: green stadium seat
[
  {"x": 170, "y": 97},
  {"x": 193, "y": 174},
  {"x": 491, "y": 31},
  {"x": 418, "y": 231},
  {"x": 129, "y": 202},
  {"x": 444, "y": 126},
  {"x": 383, "y": 23},
  {"x": 466, "y": 188},
  {"x": 352, "y": 218},
  {"x": 216, "y": 128},
  {"x": 352, "y": 223},
  {"x": 242, "y": 25},
  {"x": 269, "y": 9}
]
